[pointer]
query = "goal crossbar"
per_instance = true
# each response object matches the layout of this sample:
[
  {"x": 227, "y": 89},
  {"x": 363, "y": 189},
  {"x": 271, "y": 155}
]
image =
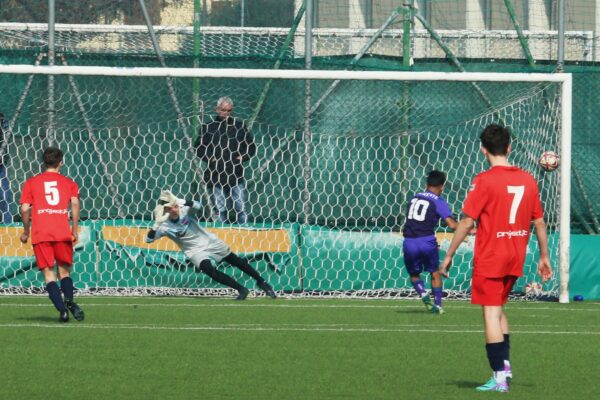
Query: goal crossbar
[{"x": 564, "y": 78}]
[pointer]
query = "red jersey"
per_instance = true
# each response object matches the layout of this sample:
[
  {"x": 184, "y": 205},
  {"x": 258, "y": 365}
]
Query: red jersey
[
  {"x": 49, "y": 195},
  {"x": 504, "y": 200}
]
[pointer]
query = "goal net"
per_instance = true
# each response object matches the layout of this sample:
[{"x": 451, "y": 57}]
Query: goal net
[{"x": 338, "y": 154}]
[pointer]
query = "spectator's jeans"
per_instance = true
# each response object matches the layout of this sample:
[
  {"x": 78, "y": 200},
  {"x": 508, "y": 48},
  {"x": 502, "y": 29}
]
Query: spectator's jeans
[
  {"x": 236, "y": 193},
  {"x": 5, "y": 197}
]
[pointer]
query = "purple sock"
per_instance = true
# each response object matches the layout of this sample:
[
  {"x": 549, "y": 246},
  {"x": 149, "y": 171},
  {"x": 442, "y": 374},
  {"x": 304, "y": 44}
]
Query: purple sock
[
  {"x": 437, "y": 295},
  {"x": 419, "y": 286}
]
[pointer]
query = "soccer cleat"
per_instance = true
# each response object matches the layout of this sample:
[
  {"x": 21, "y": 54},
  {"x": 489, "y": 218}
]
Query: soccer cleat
[
  {"x": 75, "y": 310},
  {"x": 437, "y": 309},
  {"x": 243, "y": 293},
  {"x": 493, "y": 386},
  {"x": 268, "y": 290},
  {"x": 63, "y": 317},
  {"x": 428, "y": 303}
]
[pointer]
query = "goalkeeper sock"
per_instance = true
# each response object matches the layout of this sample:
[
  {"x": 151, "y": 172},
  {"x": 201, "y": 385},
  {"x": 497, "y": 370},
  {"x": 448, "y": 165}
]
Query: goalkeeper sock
[
  {"x": 66, "y": 285},
  {"x": 419, "y": 286},
  {"x": 55, "y": 297},
  {"x": 243, "y": 265},
  {"x": 437, "y": 296},
  {"x": 215, "y": 274},
  {"x": 495, "y": 355}
]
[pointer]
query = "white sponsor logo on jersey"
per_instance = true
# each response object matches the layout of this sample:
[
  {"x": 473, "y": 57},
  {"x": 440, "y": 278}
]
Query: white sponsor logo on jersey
[
  {"x": 511, "y": 234},
  {"x": 51, "y": 211}
]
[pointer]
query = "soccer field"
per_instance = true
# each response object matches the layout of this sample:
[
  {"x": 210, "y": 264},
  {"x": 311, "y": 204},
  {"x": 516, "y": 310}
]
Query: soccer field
[{"x": 207, "y": 348}]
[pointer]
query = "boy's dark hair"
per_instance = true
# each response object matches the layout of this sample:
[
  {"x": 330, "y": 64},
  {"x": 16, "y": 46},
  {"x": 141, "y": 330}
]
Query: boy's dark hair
[
  {"x": 52, "y": 157},
  {"x": 495, "y": 139},
  {"x": 436, "y": 178}
]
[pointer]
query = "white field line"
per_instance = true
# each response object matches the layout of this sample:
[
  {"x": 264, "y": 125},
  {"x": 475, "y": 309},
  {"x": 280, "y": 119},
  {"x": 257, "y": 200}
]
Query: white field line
[
  {"x": 279, "y": 304},
  {"x": 254, "y": 327}
]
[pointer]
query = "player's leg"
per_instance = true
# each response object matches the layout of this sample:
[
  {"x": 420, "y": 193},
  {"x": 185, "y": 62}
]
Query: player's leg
[
  {"x": 494, "y": 346},
  {"x": 509, "y": 282},
  {"x": 44, "y": 256},
  {"x": 419, "y": 286},
  {"x": 413, "y": 264},
  {"x": 431, "y": 262},
  {"x": 64, "y": 258},
  {"x": 437, "y": 291},
  {"x": 506, "y": 334},
  {"x": 206, "y": 266},
  {"x": 488, "y": 292},
  {"x": 244, "y": 265},
  {"x": 221, "y": 203},
  {"x": 239, "y": 203}
]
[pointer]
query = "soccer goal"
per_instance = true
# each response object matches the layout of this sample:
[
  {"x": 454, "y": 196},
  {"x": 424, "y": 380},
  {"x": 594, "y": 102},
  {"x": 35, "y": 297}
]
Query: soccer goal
[{"x": 338, "y": 153}]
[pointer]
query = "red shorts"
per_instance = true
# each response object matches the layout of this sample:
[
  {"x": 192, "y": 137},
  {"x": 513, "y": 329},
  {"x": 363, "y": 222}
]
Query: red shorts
[
  {"x": 46, "y": 253},
  {"x": 491, "y": 291}
]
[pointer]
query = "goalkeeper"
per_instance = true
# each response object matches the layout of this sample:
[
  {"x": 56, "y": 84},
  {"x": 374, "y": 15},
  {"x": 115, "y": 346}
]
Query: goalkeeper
[{"x": 175, "y": 219}]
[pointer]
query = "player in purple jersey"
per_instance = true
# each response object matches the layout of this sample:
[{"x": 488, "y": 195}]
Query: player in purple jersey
[{"x": 420, "y": 245}]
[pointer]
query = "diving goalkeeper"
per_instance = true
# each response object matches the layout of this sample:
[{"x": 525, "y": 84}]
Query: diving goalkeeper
[{"x": 175, "y": 219}]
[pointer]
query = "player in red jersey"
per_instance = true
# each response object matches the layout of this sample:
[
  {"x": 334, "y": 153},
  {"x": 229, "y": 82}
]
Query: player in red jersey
[
  {"x": 504, "y": 200},
  {"x": 45, "y": 202}
]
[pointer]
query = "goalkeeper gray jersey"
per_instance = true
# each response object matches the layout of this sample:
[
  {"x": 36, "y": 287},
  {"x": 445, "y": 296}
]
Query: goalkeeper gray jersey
[{"x": 191, "y": 238}]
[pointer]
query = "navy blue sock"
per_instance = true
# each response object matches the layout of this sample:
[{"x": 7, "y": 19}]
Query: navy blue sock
[
  {"x": 495, "y": 354},
  {"x": 55, "y": 296},
  {"x": 66, "y": 285},
  {"x": 507, "y": 346}
]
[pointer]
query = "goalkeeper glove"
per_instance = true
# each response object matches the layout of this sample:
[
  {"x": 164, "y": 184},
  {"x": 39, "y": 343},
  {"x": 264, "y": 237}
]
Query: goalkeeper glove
[
  {"x": 160, "y": 216},
  {"x": 167, "y": 198}
]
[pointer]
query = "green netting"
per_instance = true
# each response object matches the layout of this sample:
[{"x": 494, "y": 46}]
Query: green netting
[{"x": 354, "y": 144}]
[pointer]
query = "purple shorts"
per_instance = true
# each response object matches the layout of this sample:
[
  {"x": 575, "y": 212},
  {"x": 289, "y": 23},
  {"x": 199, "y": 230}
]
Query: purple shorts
[{"x": 421, "y": 254}]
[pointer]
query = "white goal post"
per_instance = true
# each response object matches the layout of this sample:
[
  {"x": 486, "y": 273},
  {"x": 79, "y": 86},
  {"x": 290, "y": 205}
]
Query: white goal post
[{"x": 561, "y": 136}]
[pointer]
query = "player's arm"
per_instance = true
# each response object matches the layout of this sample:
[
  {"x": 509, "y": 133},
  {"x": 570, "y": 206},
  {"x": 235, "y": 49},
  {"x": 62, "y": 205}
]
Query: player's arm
[
  {"x": 452, "y": 224},
  {"x": 75, "y": 207},
  {"x": 193, "y": 206},
  {"x": 26, "y": 218},
  {"x": 462, "y": 230},
  {"x": 160, "y": 216},
  {"x": 152, "y": 235},
  {"x": 544, "y": 268}
]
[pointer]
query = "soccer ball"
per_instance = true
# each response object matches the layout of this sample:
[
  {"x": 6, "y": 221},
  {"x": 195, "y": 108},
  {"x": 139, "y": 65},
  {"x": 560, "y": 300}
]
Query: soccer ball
[
  {"x": 533, "y": 289},
  {"x": 549, "y": 160}
]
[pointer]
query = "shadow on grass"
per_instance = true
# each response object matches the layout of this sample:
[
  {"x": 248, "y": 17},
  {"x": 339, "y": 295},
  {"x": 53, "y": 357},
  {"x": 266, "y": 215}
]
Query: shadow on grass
[
  {"x": 416, "y": 310},
  {"x": 40, "y": 318},
  {"x": 474, "y": 384},
  {"x": 466, "y": 384}
]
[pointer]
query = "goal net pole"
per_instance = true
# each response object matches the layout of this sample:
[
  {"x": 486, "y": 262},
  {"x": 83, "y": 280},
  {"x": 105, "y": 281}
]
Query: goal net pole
[{"x": 565, "y": 187}]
